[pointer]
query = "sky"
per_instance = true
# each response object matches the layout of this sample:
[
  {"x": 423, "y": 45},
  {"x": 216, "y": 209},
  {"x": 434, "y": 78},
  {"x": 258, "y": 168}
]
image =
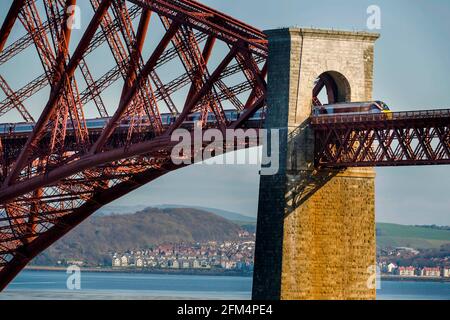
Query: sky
[{"x": 411, "y": 72}]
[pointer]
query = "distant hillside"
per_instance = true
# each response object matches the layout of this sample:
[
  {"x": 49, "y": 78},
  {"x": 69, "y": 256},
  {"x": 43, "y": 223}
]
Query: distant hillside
[
  {"x": 113, "y": 210},
  {"x": 232, "y": 216},
  {"x": 419, "y": 237},
  {"x": 247, "y": 226},
  {"x": 98, "y": 236}
]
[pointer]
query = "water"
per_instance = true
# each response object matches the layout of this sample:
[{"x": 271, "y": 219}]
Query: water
[
  {"x": 414, "y": 290},
  {"x": 106, "y": 285},
  {"x": 52, "y": 285}
]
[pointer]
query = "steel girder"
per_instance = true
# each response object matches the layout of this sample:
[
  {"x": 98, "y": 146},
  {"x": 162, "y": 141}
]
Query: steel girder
[
  {"x": 392, "y": 139},
  {"x": 56, "y": 176}
]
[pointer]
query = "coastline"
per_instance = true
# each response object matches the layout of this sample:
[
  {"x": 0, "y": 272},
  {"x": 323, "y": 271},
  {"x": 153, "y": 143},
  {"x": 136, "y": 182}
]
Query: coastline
[
  {"x": 206, "y": 272},
  {"x": 191, "y": 272},
  {"x": 413, "y": 279}
]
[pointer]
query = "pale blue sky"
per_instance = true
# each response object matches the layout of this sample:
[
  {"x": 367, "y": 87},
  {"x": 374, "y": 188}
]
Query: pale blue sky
[
  {"x": 411, "y": 72},
  {"x": 412, "y": 65}
]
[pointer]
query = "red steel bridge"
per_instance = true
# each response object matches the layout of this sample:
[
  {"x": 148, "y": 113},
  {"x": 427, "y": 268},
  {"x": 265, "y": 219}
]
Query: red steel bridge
[{"x": 162, "y": 61}]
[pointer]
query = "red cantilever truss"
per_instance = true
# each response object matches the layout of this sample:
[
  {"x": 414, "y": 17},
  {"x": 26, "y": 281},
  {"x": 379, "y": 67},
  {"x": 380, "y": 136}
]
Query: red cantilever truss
[{"x": 171, "y": 57}]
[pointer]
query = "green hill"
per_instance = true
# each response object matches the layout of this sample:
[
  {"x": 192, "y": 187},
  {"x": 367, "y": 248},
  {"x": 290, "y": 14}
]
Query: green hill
[
  {"x": 97, "y": 237},
  {"x": 419, "y": 237},
  {"x": 232, "y": 216}
]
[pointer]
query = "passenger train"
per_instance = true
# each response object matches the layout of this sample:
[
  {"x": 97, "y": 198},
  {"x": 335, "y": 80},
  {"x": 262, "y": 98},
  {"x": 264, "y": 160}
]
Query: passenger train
[
  {"x": 347, "y": 108},
  {"x": 99, "y": 123},
  {"x": 350, "y": 108}
]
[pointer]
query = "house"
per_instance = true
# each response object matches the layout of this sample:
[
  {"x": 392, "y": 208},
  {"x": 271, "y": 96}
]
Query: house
[
  {"x": 175, "y": 264},
  {"x": 407, "y": 271},
  {"x": 116, "y": 262},
  {"x": 447, "y": 272},
  {"x": 228, "y": 264},
  {"x": 124, "y": 261},
  {"x": 75, "y": 263},
  {"x": 185, "y": 265},
  {"x": 196, "y": 264},
  {"x": 151, "y": 263},
  {"x": 139, "y": 263},
  {"x": 431, "y": 272}
]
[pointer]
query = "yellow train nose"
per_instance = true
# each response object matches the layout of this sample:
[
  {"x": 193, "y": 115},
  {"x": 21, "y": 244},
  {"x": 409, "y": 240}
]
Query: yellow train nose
[{"x": 389, "y": 114}]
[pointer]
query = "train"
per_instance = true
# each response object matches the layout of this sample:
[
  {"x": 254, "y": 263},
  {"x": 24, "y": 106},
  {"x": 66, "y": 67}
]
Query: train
[
  {"x": 351, "y": 108},
  {"x": 99, "y": 123},
  {"x": 347, "y": 108}
]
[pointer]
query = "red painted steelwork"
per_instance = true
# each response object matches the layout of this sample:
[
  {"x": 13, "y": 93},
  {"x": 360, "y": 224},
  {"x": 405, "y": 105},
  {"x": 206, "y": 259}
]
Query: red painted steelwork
[
  {"x": 56, "y": 176},
  {"x": 60, "y": 173},
  {"x": 388, "y": 139}
]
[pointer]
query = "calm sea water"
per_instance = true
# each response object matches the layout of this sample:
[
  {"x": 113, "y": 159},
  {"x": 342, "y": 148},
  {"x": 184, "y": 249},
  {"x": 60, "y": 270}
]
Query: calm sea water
[{"x": 52, "y": 285}]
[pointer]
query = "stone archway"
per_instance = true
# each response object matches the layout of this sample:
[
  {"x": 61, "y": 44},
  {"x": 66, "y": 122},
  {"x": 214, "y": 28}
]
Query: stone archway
[{"x": 331, "y": 87}]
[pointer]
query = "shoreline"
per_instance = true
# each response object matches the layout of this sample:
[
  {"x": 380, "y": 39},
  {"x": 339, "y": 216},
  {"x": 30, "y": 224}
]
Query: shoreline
[
  {"x": 224, "y": 273},
  {"x": 191, "y": 272},
  {"x": 413, "y": 279}
]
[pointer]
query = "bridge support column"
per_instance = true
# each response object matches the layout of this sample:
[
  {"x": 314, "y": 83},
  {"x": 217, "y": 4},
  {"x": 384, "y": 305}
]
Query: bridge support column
[{"x": 316, "y": 229}]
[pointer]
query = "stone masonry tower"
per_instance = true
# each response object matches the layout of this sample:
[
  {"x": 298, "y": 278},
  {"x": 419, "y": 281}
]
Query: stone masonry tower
[{"x": 316, "y": 229}]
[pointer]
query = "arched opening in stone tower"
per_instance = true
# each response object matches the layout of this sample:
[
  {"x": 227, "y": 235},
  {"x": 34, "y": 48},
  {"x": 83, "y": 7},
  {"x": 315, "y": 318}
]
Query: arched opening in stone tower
[{"x": 329, "y": 88}]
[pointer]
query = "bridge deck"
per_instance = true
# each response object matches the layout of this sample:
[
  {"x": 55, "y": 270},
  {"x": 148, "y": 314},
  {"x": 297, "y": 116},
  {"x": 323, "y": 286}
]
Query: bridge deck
[
  {"x": 382, "y": 119},
  {"x": 391, "y": 139}
]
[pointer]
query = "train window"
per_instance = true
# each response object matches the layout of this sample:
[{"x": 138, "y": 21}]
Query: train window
[
  {"x": 23, "y": 128},
  {"x": 256, "y": 115},
  {"x": 375, "y": 110},
  {"x": 95, "y": 124}
]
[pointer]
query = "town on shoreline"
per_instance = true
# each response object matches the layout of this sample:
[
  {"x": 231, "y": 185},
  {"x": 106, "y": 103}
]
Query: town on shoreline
[
  {"x": 210, "y": 272},
  {"x": 411, "y": 264},
  {"x": 233, "y": 273}
]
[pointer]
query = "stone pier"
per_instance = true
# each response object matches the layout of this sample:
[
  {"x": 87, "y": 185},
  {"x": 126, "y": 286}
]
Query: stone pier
[{"x": 316, "y": 229}]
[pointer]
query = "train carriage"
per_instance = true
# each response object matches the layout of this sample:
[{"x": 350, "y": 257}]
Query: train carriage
[{"x": 348, "y": 108}]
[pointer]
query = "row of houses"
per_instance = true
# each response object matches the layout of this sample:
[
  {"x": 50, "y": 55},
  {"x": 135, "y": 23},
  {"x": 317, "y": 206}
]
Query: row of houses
[
  {"x": 410, "y": 271},
  {"x": 125, "y": 261},
  {"x": 227, "y": 255}
]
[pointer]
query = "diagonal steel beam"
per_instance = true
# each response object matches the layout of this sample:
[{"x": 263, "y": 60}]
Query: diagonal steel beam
[
  {"x": 127, "y": 99},
  {"x": 205, "y": 89},
  {"x": 11, "y": 95},
  {"x": 9, "y": 22},
  {"x": 50, "y": 107}
]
